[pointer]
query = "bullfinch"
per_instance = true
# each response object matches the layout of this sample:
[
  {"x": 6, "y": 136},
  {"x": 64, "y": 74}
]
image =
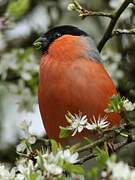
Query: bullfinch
[{"x": 72, "y": 78}]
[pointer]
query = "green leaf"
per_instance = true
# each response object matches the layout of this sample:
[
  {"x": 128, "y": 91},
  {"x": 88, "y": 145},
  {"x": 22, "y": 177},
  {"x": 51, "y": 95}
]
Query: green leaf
[
  {"x": 113, "y": 158},
  {"x": 77, "y": 169},
  {"x": 93, "y": 173},
  {"x": 101, "y": 157},
  {"x": 64, "y": 132},
  {"x": 33, "y": 176},
  {"x": 116, "y": 104},
  {"x": 74, "y": 147},
  {"x": 17, "y": 8},
  {"x": 87, "y": 140},
  {"x": 40, "y": 161},
  {"x": 54, "y": 146},
  {"x": 59, "y": 178}
]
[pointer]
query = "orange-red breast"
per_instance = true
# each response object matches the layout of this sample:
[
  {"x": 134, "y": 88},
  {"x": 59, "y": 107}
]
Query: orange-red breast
[{"x": 72, "y": 78}]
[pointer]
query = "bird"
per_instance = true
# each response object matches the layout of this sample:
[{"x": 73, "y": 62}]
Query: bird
[{"x": 72, "y": 78}]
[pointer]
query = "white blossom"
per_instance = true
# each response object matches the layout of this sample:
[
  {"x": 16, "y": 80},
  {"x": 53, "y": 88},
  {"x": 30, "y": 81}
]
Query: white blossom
[
  {"x": 5, "y": 173},
  {"x": 120, "y": 171},
  {"x": 67, "y": 156},
  {"x": 23, "y": 69},
  {"x": 99, "y": 123},
  {"x": 21, "y": 147},
  {"x": 50, "y": 164},
  {"x": 78, "y": 123},
  {"x": 26, "y": 76},
  {"x": 28, "y": 138},
  {"x": 20, "y": 177},
  {"x": 44, "y": 165},
  {"x": 128, "y": 105},
  {"x": 52, "y": 169},
  {"x": 25, "y": 168},
  {"x": 32, "y": 139}
]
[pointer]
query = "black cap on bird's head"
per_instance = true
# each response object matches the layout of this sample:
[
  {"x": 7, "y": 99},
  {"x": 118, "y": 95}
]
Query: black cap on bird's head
[{"x": 46, "y": 39}]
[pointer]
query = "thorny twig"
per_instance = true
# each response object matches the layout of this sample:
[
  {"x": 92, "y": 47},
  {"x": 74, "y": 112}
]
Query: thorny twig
[
  {"x": 133, "y": 2},
  {"x": 84, "y": 12},
  {"x": 86, "y": 158},
  {"x": 117, "y": 32},
  {"x": 129, "y": 138},
  {"x": 116, "y": 15},
  {"x": 98, "y": 142}
]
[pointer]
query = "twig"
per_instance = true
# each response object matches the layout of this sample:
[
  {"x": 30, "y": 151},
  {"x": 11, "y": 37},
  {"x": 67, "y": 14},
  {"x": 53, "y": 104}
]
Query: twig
[
  {"x": 113, "y": 133},
  {"x": 84, "y": 12},
  {"x": 123, "y": 31},
  {"x": 86, "y": 158},
  {"x": 133, "y": 2},
  {"x": 130, "y": 139},
  {"x": 114, "y": 18},
  {"x": 118, "y": 146},
  {"x": 89, "y": 147},
  {"x": 112, "y": 23}
]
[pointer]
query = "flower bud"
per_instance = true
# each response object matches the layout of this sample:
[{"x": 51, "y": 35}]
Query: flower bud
[{"x": 71, "y": 7}]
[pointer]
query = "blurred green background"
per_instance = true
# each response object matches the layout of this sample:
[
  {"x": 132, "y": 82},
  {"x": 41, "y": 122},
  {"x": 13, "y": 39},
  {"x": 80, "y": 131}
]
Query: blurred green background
[{"x": 21, "y": 22}]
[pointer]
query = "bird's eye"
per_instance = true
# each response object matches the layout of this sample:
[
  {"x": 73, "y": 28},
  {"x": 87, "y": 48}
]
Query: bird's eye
[{"x": 56, "y": 35}]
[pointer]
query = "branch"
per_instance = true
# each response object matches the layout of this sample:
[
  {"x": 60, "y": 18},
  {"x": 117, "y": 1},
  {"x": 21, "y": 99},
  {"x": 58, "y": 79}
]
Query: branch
[
  {"x": 133, "y": 2},
  {"x": 110, "y": 134},
  {"x": 114, "y": 18},
  {"x": 115, "y": 132},
  {"x": 130, "y": 139},
  {"x": 84, "y": 12},
  {"x": 86, "y": 158},
  {"x": 117, "y": 147},
  {"x": 123, "y": 31},
  {"x": 90, "y": 147},
  {"x": 112, "y": 24}
]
